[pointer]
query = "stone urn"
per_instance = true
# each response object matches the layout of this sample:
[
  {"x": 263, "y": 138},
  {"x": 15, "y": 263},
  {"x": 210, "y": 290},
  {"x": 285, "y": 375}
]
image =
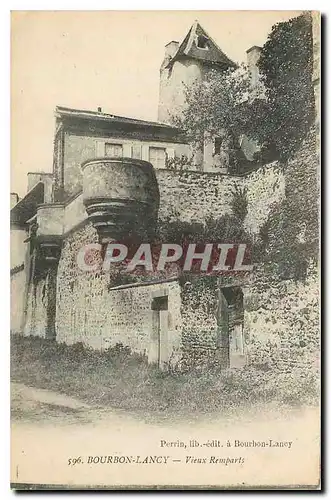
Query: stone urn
[{"x": 121, "y": 197}]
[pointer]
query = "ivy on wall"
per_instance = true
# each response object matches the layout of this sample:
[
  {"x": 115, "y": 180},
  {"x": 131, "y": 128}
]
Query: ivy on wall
[
  {"x": 281, "y": 121},
  {"x": 289, "y": 239}
]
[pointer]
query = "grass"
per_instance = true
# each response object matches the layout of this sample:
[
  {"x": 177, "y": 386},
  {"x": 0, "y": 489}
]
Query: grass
[{"x": 119, "y": 379}]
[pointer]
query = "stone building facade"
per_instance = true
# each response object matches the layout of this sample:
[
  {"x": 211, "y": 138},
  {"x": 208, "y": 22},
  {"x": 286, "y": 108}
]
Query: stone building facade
[{"x": 111, "y": 173}]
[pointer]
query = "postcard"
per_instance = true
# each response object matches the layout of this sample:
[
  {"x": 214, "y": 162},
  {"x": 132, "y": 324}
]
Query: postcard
[{"x": 165, "y": 250}]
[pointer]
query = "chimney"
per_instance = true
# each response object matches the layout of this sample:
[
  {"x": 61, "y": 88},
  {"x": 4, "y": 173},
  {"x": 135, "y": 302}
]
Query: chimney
[
  {"x": 171, "y": 49},
  {"x": 253, "y": 55},
  {"x": 13, "y": 199},
  {"x": 166, "y": 92}
]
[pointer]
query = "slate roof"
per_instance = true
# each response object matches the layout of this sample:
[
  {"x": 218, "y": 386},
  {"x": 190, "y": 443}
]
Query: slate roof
[
  {"x": 27, "y": 206},
  {"x": 189, "y": 49},
  {"x": 62, "y": 112}
]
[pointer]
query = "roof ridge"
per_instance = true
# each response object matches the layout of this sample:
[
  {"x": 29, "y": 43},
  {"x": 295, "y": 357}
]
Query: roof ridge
[{"x": 104, "y": 116}]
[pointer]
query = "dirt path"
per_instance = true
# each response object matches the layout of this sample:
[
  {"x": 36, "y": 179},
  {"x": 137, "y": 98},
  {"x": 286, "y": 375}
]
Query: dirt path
[
  {"x": 49, "y": 430},
  {"x": 34, "y": 405},
  {"x": 29, "y": 403},
  {"x": 31, "y": 406}
]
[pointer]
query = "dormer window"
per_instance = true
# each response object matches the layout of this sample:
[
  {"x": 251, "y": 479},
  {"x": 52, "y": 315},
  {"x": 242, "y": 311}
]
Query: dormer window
[{"x": 202, "y": 42}]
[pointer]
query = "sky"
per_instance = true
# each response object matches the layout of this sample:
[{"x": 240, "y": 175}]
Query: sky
[{"x": 109, "y": 59}]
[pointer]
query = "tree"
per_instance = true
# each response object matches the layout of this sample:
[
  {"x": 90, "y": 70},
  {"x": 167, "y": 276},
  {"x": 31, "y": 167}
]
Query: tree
[
  {"x": 281, "y": 119},
  {"x": 215, "y": 105},
  {"x": 286, "y": 65}
]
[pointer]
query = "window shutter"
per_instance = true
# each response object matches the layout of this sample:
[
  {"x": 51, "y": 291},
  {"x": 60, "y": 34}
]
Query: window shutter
[
  {"x": 113, "y": 150},
  {"x": 170, "y": 153},
  {"x": 145, "y": 152},
  {"x": 127, "y": 150},
  {"x": 100, "y": 149},
  {"x": 157, "y": 157},
  {"x": 136, "y": 151}
]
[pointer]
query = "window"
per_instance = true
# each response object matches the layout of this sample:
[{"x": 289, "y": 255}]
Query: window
[
  {"x": 160, "y": 303},
  {"x": 157, "y": 157},
  {"x": 202, "y": 42},
  {"x": 113, "y": 150}
]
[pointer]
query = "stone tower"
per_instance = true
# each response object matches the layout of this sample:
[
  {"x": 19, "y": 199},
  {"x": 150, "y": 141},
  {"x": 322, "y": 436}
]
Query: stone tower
[{"x": 183, "y": 63}]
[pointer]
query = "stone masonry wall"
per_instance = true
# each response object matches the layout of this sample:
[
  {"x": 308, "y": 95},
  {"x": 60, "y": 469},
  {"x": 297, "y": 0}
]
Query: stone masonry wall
[
  {"x": 282, "y": 315},
  {"x": 17, "y": 295},
  {"x": 199, "y": 313},
  {"x": 281, "y": 323},
  {"x": 172, "y": 87},
  {"x": 36, "y": 316},
  {"x": 265, "y": 187},
  {"x": 88, "y": 311},
  {"x": 200, "y": 335},
  {"x": 196, "y": 196}
]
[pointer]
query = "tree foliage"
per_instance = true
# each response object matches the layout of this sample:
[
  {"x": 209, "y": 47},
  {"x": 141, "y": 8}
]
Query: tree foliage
[
  {"x": 286, "y": 64},
  {"x": 216, "y": 104},
  {"x": 290, "y": 236},
  {"x": 280, "y": 118}
]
